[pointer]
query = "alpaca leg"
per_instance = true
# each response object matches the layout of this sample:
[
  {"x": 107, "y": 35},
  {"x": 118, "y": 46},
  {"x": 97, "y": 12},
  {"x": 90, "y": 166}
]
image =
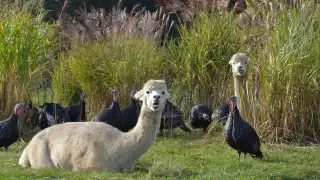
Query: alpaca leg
[
  {"x": 130, "y": 168},
  {"x": 244, "y": 156}
]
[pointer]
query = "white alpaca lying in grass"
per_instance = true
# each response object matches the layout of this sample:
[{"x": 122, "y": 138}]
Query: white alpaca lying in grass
[{"x": 96, "y": 145}]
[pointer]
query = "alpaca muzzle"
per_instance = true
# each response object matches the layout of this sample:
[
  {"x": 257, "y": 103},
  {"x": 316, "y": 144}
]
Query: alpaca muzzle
[{"x": 156, "y": 104}]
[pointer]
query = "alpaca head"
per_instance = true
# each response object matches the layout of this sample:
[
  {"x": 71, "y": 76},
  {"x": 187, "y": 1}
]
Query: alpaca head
[
  {"x": 240, "y": 64},
  {"x": 154, "y": 94}
]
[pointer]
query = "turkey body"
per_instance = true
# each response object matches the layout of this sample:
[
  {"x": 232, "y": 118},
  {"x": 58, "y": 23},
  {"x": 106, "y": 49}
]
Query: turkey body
[
  {"x": 111, "y": 115},
  {"x": 76, "y": 112},
  {"x": 129, "y": 116},
  {"x": 37, "y": 119},
  {"x": 171, "y": 118},
  {"x": 9, "y": 132},
  {"x": 53, "y": 114},
  {"x": 221, "y": 113},
  {"x": 241, "y": 136},
  {"x": 200, "y": 116}
]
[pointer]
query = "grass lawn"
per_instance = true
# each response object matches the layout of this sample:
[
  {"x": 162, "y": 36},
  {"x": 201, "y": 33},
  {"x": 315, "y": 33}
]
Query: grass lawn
[{"x": 188, "y": 156}]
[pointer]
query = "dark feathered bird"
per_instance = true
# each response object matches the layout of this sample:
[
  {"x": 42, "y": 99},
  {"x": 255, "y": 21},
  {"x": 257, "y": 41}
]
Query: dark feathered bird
[
  {"x": 171, "y": 118},
  {"x": 221, "y": 113},
  {"x": 51, "y": 114},
  {"x": 200, "y": 116},
  {"x": 239, "y": 134},
  {"x": 37, "y": 120},
  {"x": 112, "y": 114},
  {"x": 130, "y": 114},
  {"x": 9, "y": 132},
  {"x": 77, "y": 112}
]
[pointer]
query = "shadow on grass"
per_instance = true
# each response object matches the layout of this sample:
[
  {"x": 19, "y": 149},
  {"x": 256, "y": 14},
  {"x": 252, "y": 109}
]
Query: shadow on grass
[{"x": 273, "y": 159}]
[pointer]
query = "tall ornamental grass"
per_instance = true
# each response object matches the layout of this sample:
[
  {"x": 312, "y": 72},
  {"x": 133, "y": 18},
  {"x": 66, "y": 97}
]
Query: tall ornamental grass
[
  {"x": 97, "y": 67},
  {"x": 287, "y": 103},
  {"x": 198, "y": 63},
  {"x": 282, "y": 42},
  {"x": 25, "y": 45}
]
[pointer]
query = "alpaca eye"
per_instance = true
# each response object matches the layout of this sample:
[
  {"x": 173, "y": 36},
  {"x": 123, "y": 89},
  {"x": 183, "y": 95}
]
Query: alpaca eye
[
  {"x": 148, "y": 92},
  {"x": 163, "y": 93}
]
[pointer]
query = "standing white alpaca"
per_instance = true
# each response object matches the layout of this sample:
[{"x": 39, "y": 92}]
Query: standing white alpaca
[
  {"x": 240, "y": 64},
  {"x": 96, "y": 145}
]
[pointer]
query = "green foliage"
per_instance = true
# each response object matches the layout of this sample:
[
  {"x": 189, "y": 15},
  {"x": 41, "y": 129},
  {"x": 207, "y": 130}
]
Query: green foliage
[
  {"x": 98, "y": 67},
  {"x": 29, "y": 6},
  {"x": 284, "y": 99},
  {"x": 199, "y": 66},
  {"x": 25, "y": 45}
]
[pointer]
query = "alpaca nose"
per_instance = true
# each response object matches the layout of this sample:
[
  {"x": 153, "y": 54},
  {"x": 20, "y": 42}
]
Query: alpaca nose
[{"x": 156, "y": 97}]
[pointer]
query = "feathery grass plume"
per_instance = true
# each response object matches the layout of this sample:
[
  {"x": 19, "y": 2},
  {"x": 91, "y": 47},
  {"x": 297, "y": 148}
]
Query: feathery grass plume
[{"x": 98, "y": 24}]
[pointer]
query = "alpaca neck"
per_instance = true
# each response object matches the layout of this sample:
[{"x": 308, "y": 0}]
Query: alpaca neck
[
  {"x": 142, "y": 136},
  {"x": 239, "y": 87}
]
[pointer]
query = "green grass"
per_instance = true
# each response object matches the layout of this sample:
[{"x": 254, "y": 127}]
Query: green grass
[{"x": 188, "y": 156}]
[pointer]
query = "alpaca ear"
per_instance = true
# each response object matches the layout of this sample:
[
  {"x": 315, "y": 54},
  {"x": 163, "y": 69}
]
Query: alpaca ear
[
  {"x": 168, "y": 95},
  {"x": 231, "y": 60},
  {"x": 139, "y": 94}
]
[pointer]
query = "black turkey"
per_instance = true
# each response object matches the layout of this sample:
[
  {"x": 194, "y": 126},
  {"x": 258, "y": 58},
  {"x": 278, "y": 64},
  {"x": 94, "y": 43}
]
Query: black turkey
[
  {"x": 9, "y": 132},
  {"x": 51, "y": 114},
  {"x": 171, "y": 118},
  {"x": 200, "y": 117},
  {"x": 240, "y": 135},
  {"x": 130, "y": 114},
  {"x": 37, "y": 120},
  {"x": 221, "y": 113},
  {"x": 77, "y": 112},
  {"x": 112, "y": 114}
]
